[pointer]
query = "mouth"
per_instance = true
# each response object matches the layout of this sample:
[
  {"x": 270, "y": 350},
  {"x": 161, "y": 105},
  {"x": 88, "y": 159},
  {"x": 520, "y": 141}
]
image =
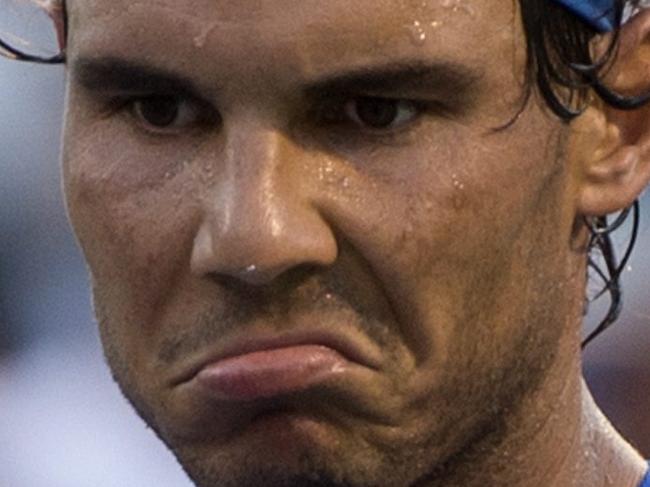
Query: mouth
[{"x": 260, "y": 367}]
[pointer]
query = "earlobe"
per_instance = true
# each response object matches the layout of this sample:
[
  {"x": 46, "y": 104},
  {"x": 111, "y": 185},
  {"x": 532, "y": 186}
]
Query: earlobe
[
  {"x": 614, "y": 170},
  {"x": 605, "y": 163},
  {"x": 614, "y": 182}
]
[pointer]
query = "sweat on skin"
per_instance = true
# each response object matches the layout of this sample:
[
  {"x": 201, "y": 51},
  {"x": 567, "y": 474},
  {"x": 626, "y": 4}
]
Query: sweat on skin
[{"x": 237, "y": 169}]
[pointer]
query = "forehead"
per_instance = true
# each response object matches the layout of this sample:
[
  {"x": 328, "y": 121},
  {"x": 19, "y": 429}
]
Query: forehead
[{"x": 304, "y": 36}]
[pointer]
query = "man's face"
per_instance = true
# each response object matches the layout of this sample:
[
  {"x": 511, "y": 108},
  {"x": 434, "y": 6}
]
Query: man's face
[{"x": 246, "y": 168}]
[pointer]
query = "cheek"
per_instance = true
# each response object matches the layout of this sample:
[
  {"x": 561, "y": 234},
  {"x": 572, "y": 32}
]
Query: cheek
[
  {"x": 472, "y": 221},
  {"x": 135, "y": 226}
]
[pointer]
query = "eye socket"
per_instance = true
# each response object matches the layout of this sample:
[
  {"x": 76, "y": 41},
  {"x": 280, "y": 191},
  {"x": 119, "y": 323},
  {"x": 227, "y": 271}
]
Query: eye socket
[
  {"x": 165, "y": 113},
  {"x": 381, "y": 113},
  {"x": 160, "y": 113}
]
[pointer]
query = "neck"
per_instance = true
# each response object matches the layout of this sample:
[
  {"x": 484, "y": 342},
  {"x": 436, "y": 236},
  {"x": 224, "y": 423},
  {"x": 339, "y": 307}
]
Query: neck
[{"x": 559, "y": 438}]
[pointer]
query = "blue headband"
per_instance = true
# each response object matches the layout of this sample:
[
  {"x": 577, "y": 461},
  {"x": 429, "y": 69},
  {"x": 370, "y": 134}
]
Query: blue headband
[{"x": 600, "y": 14}]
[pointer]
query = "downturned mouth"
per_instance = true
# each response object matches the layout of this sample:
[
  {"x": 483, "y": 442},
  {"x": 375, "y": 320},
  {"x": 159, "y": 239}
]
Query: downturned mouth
[
  {"x": 278, "y": 354},
  {"x": 269, "y": 373}
]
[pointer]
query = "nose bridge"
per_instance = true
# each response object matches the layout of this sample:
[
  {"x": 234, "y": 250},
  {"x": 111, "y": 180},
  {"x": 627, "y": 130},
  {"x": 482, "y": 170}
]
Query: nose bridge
[
  {"x": 259, "y": 222},
  {"x": 255, "y": 199}
]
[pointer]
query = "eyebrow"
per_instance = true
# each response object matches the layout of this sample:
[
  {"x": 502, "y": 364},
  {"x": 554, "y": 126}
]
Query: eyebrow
[
  {"x": 401, "y": 77},
  {"x": 109, "y": 74}
]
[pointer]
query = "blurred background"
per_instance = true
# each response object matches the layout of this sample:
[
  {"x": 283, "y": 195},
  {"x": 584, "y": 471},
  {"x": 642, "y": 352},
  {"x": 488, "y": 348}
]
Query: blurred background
[{"x": 63, "y": 422}]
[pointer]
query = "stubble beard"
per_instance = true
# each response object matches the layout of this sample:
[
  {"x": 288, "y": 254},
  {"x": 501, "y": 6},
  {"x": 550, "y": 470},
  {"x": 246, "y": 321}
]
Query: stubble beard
[{"x": 493, "y": 397}]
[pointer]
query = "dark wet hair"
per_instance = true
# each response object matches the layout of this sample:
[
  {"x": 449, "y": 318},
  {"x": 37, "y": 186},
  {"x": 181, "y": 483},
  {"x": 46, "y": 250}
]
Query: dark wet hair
[
  {"x": 559, "y": 59},
  {"x": 561, "y": 70}
]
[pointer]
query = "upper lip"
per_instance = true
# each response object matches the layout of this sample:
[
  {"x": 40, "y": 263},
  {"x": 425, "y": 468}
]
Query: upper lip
[{"x": 350, "y": 347}]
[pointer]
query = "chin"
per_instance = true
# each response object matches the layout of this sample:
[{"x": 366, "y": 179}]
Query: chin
[{"x": 223, "y": 470}]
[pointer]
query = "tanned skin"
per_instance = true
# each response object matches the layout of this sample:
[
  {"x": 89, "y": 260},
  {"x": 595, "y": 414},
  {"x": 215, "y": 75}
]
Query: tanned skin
[{"x": 225, "y": 178}]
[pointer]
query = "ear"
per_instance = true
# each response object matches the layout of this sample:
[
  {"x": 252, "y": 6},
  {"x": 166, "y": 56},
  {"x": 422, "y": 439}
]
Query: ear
[{"x": 612, "y": 147}]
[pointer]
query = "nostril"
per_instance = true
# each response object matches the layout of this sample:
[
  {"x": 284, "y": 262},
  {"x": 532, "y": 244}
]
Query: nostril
[
  {"x": 258, "y": 275},
  {"x": 260, "y": 283},
  {"x": 288, "y": 275}
]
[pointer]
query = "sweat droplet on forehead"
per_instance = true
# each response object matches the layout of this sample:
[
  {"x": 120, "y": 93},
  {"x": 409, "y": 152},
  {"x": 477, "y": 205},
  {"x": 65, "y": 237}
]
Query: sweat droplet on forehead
[
  {"x": 418, "y": 34},
  {"x": 462, "y": 6},
  {"x": 429, "y": 17}
]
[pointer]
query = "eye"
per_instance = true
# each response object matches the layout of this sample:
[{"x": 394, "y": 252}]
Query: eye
[
  {"x": 165, "y": 113},
  {"x": 381, "y": 113}
]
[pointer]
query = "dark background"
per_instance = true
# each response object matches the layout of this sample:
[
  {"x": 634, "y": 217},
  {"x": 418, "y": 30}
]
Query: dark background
[{"x": 63, "y": 422}]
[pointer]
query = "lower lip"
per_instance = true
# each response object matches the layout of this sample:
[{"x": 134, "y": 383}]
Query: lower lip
[{"x": 270, "y": 373}]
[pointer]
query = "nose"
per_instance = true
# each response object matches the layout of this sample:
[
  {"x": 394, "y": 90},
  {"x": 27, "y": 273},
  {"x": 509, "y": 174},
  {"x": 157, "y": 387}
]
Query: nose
[{"x": 259, "y": 219}]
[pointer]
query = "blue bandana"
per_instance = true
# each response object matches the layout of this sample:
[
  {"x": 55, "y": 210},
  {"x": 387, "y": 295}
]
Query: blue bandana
[
  {"x": 646, "y": 479},
  {"x": 600, "y": 14}
]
